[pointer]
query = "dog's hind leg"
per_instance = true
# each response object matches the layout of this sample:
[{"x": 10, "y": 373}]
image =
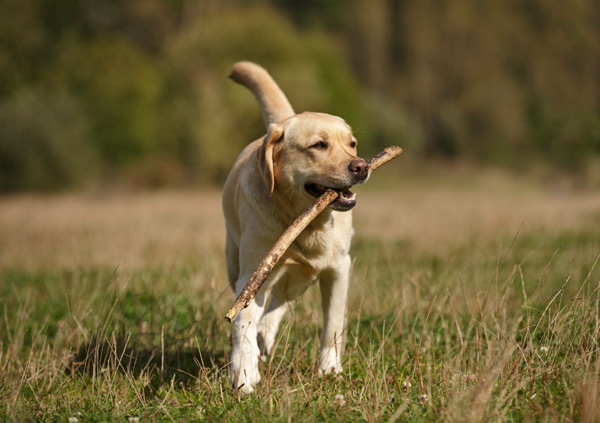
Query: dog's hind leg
[
  {"x": 232, "y": 253},
  {"x": 245, "y": 354},
  {"x": 269, "y": 324}
]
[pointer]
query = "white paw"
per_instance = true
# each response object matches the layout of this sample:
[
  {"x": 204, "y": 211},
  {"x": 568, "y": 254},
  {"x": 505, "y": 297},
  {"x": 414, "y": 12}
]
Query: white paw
[
  {"x": 245, "y": 389},
  {"x": 329, "y": 362},
  {"x": 244, "y": 376},
  {"x": 243, "y": 370}
]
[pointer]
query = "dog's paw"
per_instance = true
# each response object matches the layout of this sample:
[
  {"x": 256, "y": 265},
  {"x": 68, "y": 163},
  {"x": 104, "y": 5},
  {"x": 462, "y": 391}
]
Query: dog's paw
[
  {"x": 329, "y": 362},
  {"x": 244, "y": 389},
  {"x": 244, "y": 374},
  {"x": 245, "y": 381}
]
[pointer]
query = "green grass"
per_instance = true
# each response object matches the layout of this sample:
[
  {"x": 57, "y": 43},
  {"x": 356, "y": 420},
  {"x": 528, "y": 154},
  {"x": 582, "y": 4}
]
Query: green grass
[{"x": 494, "y": 329}]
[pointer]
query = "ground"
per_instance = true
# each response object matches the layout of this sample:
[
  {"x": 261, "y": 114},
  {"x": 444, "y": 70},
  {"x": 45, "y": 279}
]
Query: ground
[{"x": 475, "y": 297}]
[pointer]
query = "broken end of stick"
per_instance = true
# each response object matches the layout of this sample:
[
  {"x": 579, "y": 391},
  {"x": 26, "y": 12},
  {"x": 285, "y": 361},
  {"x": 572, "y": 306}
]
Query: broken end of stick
[
  {"x": 394, "y": 151},
  {"x": 231, "y": 315},
  {"x": 385, "y": 156},
  {"x": 235, "y": 309}
]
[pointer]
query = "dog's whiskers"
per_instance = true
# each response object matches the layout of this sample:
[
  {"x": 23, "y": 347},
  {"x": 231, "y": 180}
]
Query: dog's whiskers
[{"x": 291, "y": 191}]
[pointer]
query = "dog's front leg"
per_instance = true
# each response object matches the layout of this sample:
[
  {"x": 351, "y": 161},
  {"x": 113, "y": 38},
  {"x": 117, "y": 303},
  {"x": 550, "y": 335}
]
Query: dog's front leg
[
  {"x": 245, "y": 354},
  {"x": 334, "y": 293}
]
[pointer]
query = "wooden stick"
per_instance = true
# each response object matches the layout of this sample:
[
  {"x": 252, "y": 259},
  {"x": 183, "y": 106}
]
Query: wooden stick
[{"x": 265, "y": 267}]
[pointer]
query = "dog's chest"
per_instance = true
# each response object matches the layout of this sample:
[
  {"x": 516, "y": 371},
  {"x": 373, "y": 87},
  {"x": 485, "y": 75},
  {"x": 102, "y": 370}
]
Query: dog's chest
[{"x": 319, "y": 249}]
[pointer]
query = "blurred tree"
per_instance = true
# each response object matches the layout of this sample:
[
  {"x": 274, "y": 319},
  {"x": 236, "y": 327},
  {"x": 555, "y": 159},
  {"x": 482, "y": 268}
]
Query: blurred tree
[
  {"x": 222, "y": 117},
  {"x": 146, "y": 23},
  {"x": 506, "y": 82},
  {"x": 22, "y": 43},
  {"x": 121, "y": 89},
  {"x": 557, "y": 62},
  {"x": 488, "y": 80},
  {"x": 44, "y": 142}
]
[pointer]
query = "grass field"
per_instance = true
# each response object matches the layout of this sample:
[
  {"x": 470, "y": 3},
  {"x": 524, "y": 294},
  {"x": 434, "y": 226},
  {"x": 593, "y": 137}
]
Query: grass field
[{"x": 475, "y": 297}]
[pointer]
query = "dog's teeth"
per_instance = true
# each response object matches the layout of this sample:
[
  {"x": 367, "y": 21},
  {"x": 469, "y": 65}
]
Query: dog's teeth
[{"x": 348, "y": 195}]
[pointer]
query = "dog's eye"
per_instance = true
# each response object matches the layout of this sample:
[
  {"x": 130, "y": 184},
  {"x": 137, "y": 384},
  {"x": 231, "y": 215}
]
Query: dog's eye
[
  {"x": 353, "y": 144},
  {"x": 321, "y": 145}
]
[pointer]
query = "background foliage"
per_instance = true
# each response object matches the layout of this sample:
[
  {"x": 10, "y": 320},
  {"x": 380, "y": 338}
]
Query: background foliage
[{"x": 111, "y": 91}]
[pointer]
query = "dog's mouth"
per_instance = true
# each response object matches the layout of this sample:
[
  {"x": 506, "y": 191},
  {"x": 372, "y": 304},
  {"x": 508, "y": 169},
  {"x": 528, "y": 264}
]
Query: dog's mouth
[{"x": 345, "y": 200}]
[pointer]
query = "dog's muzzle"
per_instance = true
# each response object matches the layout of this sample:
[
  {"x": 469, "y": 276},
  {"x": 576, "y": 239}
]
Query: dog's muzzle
[{"x": 359, "y": 170}]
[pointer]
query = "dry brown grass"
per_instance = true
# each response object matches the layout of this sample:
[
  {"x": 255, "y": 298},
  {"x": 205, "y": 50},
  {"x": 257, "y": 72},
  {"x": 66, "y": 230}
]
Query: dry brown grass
[
  {"x": 442, "y": 210},
  {"x": 131, "y": 230}
]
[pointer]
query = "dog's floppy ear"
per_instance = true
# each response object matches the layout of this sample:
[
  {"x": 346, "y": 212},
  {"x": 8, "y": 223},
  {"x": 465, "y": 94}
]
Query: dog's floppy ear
[{"x": 274, "y": 135}]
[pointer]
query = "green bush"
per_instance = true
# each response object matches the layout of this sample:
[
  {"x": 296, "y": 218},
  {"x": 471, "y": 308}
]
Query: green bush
[
  {"x": 510, "y": 83},
  {"x": 121, "y": 89},
  {"x": 45, "y": 142},
  {"x": 217, "y": 118}
]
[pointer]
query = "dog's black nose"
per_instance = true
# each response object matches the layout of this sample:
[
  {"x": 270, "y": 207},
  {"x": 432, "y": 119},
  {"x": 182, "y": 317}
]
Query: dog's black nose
[{"x": 359, "y": 167}]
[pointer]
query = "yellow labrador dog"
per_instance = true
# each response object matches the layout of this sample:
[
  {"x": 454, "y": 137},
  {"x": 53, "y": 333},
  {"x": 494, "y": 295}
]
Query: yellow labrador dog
[{"x": 273, "y": 180}]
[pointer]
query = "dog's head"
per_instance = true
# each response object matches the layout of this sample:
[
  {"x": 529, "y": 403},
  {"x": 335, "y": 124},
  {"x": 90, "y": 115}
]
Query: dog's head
[{"x": 309, "y": 153}]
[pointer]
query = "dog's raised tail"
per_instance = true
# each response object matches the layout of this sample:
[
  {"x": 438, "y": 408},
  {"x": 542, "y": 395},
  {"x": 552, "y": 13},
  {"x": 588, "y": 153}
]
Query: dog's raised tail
[{"x": 274, "y": 105}]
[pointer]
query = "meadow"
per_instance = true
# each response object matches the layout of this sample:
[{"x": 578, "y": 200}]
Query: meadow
[{"x": 475, "y": 297}]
